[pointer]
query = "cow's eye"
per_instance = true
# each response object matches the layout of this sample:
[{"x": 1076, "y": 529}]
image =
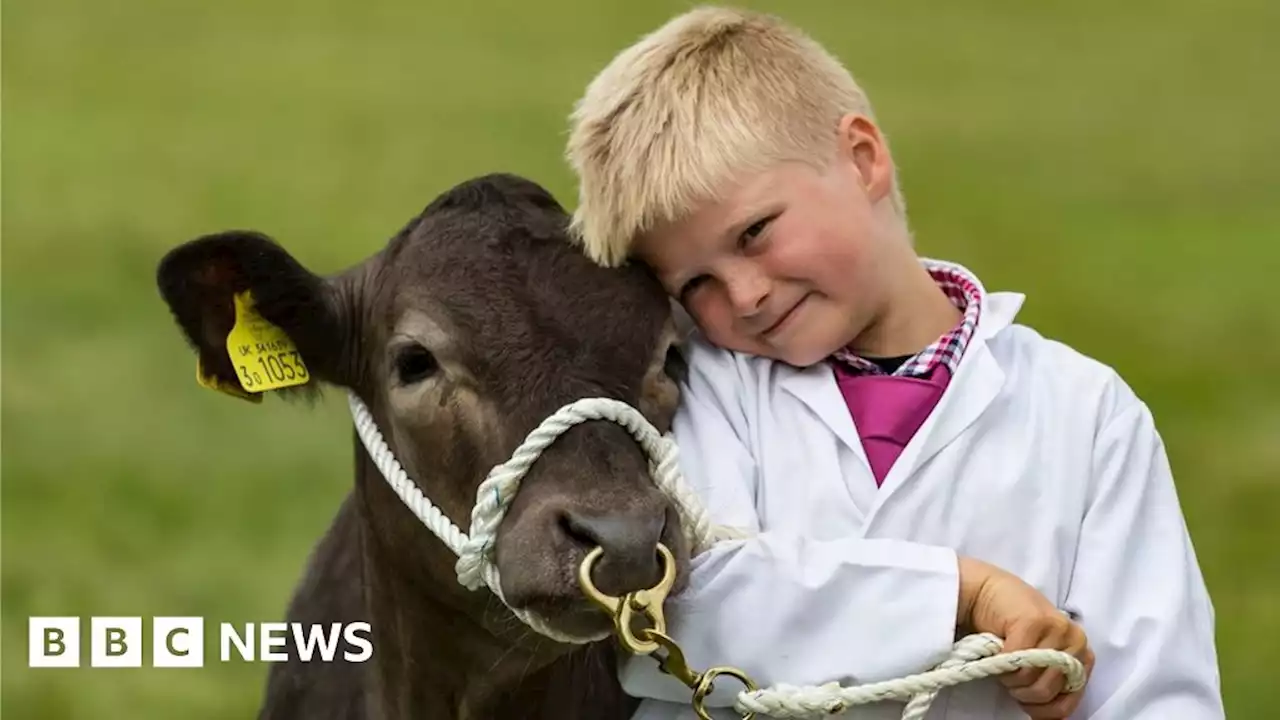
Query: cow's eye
[{"x": 415, "y": 364}]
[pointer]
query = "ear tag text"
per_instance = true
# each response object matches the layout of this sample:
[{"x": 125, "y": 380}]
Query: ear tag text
[
  {"x": 263, "y": 355},
  {"x": 213, "y": 382}
]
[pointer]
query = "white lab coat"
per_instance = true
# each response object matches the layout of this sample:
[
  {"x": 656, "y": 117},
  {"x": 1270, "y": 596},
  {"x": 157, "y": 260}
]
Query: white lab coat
[{"x": 1037, "y": 459}]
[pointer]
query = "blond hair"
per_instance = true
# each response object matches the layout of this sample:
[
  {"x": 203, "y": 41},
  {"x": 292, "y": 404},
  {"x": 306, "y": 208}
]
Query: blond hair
[{"x": 673, "y": 119}]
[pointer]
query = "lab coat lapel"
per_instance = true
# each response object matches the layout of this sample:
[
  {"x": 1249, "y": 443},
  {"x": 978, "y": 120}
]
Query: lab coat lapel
[
  {"x": 976, "y": 384},
  {"x": 816, "y": 387}
]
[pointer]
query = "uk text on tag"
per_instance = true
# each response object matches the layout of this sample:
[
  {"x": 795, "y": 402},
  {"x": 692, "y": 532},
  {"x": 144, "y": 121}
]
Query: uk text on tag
[{"x": 263, "y": 355}]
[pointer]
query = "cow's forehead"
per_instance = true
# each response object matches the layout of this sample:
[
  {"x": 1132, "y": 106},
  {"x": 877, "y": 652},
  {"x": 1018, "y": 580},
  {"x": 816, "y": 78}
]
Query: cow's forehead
[{"x": 524, "y": 304}]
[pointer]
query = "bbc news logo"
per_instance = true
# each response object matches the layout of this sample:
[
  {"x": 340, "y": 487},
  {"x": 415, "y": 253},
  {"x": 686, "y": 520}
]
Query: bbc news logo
[{"x": 178, "y": 642}]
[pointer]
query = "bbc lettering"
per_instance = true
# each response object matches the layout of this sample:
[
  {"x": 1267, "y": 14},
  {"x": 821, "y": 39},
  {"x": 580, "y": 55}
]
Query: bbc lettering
[{"x": 178, "y": 642}]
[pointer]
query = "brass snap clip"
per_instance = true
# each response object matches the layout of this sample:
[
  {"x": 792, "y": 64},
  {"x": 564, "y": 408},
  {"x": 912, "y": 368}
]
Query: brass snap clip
[{"x": 624, "y": 610}]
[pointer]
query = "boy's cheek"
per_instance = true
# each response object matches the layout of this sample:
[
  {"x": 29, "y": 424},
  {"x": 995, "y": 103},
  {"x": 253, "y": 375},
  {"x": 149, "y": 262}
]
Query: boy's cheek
[
  {"x": 709, "y": 317},
  {"x": 713, "y": 325},
  {"x": 722, "y": 333}
]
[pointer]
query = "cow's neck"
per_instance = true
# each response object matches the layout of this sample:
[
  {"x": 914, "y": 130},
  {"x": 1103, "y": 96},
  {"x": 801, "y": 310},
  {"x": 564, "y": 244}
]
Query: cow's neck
[
  {"x": 434, "y": 660},
  {"x": 435, "y": 654}
]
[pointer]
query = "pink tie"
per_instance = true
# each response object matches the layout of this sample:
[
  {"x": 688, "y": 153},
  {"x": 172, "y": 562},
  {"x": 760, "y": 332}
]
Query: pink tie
[{"x": 888, "y": 410}]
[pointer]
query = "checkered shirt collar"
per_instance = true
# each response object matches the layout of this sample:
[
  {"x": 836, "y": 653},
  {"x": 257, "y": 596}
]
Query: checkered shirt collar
[{"x": 965, "y": 292}]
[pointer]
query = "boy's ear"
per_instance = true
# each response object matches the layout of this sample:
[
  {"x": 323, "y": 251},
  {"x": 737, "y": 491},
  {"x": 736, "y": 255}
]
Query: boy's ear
[{"x": 232, "y": 280}]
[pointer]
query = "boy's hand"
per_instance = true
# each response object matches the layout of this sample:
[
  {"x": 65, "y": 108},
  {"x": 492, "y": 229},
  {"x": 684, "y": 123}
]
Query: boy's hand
[{"x": 995, "y": 601}]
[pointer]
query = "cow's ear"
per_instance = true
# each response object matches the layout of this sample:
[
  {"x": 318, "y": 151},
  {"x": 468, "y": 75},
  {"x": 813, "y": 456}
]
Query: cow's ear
[{"x": 258, "y": 320}]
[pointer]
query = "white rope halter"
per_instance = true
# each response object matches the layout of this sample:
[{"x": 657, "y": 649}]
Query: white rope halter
[
  {"x": 972, "y": 658},
  {"x": 475, "y": 550}
]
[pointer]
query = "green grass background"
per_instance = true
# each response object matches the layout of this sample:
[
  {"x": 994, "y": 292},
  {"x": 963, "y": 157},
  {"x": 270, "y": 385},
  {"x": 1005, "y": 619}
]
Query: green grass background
[{"x": 1118, "y": 162}]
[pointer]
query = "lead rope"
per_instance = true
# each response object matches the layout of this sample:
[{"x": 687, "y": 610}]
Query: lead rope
[{"x": 972, "y": 658}]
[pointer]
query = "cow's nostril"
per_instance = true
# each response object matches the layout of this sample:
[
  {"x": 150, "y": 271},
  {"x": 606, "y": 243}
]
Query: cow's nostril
[
  {"x": 579, "y": 530},
  {"x": 630, "y": 542}
]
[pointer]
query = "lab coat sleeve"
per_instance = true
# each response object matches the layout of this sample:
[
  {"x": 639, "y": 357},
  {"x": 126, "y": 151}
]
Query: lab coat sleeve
[
  {"x": 786, "y": 608},
  {"x": 1137, "y": 587}
]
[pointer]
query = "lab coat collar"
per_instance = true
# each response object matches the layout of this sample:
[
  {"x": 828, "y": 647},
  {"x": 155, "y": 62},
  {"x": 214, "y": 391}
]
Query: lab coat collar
[
  {"x": 998, "y": 310},
  {"x": 977, "y": 382}
]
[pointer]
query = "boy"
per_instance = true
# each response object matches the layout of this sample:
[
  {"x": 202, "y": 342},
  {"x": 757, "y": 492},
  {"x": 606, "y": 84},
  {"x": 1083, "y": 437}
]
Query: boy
[{"x": 912, "y": 463}]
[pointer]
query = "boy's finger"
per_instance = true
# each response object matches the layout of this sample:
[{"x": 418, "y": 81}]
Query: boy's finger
[
  {"x": 1025, "y": 636},
  {"x": 1021, "y": 679},
  {"x": 1062, "y": 706},
  {"x": 1047, "y": 687},
  {"x": 1057, "y": 709},
  {"x": 1019, "y": 637}
]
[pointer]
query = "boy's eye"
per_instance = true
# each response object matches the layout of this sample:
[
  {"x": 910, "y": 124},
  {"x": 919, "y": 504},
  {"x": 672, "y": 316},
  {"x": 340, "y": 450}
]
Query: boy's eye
[
  {"x": 754, "y": 230},
  {"x": 690, "y": 286}
]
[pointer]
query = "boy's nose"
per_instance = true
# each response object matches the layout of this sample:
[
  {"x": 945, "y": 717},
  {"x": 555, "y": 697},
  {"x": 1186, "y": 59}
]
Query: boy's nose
[{"x": 747, "y": 292}]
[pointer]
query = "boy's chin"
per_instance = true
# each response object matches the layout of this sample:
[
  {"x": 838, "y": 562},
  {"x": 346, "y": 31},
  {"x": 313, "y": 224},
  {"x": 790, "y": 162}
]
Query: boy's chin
[
  {"x": 802, "y": 354},
  {"x": 813, "y": 338},
  {"x": 802, "y": 350},
  {"x": 803, "y": 359}
]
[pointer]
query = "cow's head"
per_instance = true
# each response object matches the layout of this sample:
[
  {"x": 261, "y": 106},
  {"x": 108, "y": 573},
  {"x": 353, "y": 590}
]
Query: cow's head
[{"x": 477, "y": 321}]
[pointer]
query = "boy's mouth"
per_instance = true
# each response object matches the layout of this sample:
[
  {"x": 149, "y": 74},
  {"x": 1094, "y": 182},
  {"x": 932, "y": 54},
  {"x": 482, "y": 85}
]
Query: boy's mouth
[{"x": 783, "y": 320}]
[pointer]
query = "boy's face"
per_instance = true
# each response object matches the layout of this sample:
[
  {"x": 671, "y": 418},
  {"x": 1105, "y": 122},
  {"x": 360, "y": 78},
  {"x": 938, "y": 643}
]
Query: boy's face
[{"x": 794, "y": 262}]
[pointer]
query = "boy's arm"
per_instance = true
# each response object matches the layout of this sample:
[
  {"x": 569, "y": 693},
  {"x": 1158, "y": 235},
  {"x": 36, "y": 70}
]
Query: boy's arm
[
  {"x": 786, "y": 608},
  {"x": 1137, "y": 587}
]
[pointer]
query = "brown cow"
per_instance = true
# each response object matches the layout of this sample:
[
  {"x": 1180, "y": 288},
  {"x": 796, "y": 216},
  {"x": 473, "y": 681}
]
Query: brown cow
[{"x": 475, "y": 322}]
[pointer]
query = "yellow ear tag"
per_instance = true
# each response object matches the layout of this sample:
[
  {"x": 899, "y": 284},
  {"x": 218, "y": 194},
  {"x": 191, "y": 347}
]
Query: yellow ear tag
[
  {"x": 214, "y": 383},
  {"x": 263, "y": 355}
]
